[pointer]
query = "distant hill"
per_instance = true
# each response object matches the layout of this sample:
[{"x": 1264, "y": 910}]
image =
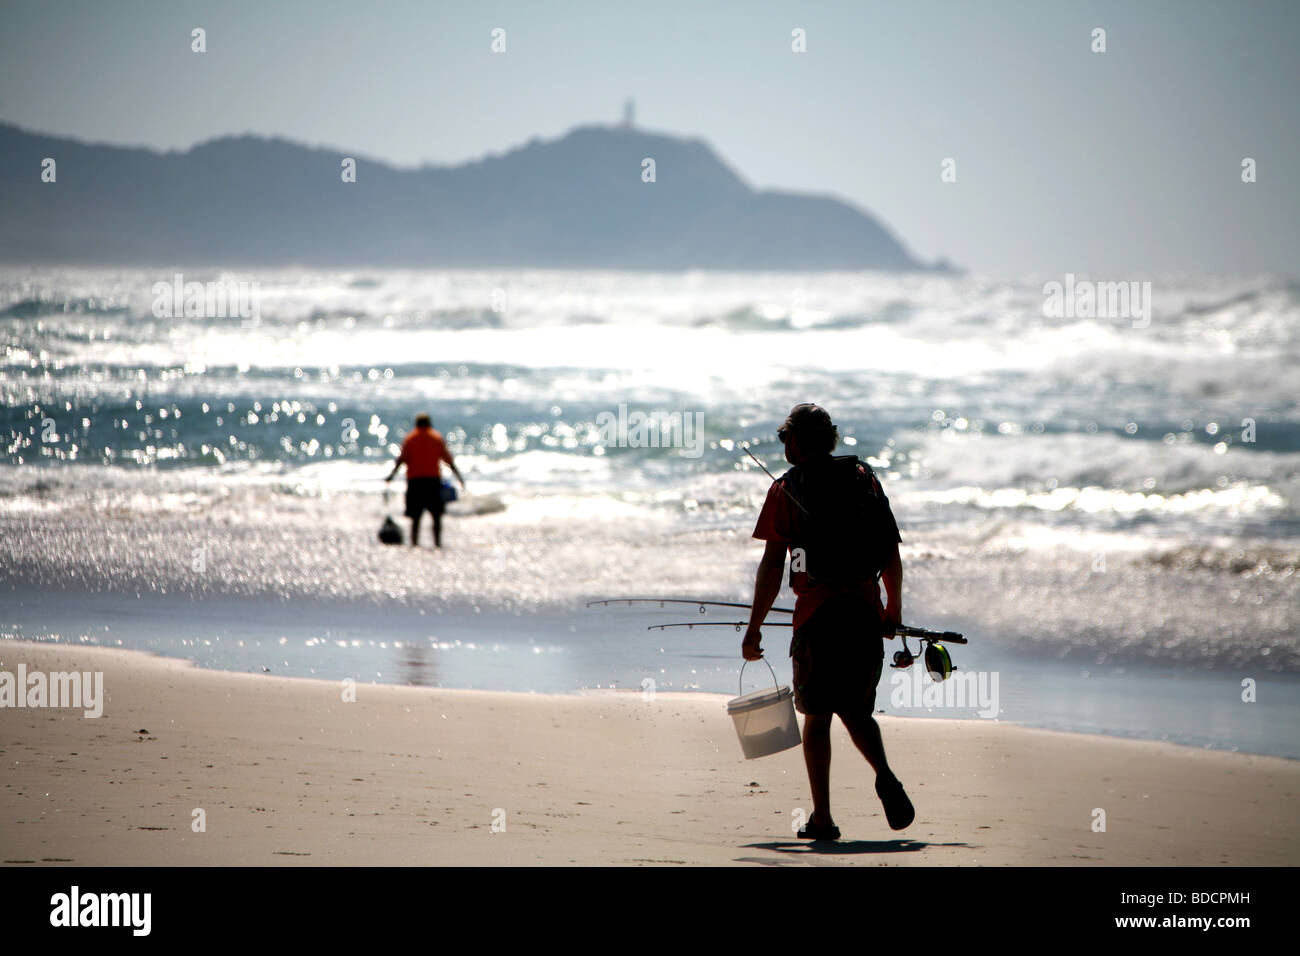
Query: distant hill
[{"x": 574, "y": 202}]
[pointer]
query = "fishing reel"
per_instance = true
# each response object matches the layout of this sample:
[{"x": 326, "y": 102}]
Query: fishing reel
[{"x": 938, "y": 662}]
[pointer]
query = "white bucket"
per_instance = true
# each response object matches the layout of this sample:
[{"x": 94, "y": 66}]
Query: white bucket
[{"x": 765, "y": 719}]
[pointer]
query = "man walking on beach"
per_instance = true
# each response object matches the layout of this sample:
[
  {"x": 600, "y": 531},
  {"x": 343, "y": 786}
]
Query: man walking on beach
[
  {"x": 423, "y": 452},
  {"x": 834, "y": 518}
]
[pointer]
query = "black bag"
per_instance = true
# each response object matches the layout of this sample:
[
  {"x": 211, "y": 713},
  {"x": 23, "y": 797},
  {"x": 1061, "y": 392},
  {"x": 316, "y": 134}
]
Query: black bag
[
  {"x": 842, "y": 520},
  {"x": 389, "y": 532}
]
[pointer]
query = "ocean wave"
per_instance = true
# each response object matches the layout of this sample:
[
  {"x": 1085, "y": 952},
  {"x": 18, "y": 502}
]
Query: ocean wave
[
  {"x": 449, "y": 319},
  {"x": 1104, "y": 600},
  {"x": 1239, "y": 500},
  {"x": 1267, "y": 317},
  {"x": 769, "y": 316},
  {"x": 33, "y": 308},
  {"x": 1250, "y": 561},
  {"x": 1048, "y": 465}
]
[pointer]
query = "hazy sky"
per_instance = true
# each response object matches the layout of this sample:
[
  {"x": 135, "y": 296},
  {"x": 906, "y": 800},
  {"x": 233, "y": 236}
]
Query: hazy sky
[{"x": 1122, "y": 163}]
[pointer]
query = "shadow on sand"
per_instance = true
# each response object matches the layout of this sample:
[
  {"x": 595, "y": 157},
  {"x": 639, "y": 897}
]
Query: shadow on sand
[{"x": 832, "y": 848}]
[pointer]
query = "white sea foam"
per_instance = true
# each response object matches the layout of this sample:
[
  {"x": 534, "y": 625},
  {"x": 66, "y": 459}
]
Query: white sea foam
[{"x": 1015, "y": 447}]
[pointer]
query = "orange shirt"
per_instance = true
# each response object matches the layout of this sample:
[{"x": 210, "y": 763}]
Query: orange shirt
[{"x": 422, "y": 453}]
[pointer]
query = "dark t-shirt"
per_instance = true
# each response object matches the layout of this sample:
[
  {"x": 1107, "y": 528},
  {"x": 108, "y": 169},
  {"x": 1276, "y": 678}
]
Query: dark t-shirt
[{"x": 779, "y": 521}]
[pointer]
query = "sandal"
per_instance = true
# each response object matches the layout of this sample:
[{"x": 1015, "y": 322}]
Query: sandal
[
  {"x": 898, "y": 809},
  {"x": 815, "y": 831}
]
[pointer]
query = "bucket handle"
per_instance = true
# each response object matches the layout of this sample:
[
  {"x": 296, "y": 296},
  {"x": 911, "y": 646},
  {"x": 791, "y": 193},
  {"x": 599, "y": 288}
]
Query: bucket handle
[{"x": 741, "y": 689}]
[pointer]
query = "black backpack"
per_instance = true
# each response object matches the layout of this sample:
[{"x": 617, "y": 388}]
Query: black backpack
[{"x": 842, "y": 520}]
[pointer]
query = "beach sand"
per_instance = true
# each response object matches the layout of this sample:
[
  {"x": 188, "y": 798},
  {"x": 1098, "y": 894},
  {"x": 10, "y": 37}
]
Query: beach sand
[{"x": 286, "y": 772}]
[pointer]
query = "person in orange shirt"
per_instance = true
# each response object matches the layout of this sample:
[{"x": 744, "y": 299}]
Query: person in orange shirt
[{"x": 423, "y": 452}]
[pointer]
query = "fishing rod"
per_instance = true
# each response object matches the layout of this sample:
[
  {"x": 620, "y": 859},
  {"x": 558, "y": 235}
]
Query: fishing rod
[
  {"x": 736, "y": 624},
  {"x": 662, "y": 601},
  {"x": 904, "y": 631},
  {"x": 937, "y": 660},
  {"x": 773, "y": 477}
]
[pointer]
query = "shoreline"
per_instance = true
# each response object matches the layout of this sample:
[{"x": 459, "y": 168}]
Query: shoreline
[
  {"x": 286, "y": 772},
  {"x": 583, "y": 692},
  {"x": 489, "y": 651}
]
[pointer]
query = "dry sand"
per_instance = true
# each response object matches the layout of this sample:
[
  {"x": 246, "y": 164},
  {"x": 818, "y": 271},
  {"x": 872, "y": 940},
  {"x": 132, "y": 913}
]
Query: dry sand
[{"x": 288, "y": 773}]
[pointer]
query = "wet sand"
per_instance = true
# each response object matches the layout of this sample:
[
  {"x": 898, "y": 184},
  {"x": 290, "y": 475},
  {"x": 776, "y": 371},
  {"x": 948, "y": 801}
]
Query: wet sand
[{"x": 287, "y": 772}]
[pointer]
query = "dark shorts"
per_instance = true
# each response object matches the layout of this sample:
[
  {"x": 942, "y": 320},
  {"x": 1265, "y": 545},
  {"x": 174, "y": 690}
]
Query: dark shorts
[
  {"x": 838, "y": 655},
  {"x": 423, "y": 494}
]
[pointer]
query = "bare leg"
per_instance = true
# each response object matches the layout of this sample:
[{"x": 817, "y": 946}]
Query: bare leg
[
  {"x": 817, "y": 758},
  {"x": 437, "y": 529},
  {"x": 865, "y": 732},
  {"x": 415, "y": 529}
]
